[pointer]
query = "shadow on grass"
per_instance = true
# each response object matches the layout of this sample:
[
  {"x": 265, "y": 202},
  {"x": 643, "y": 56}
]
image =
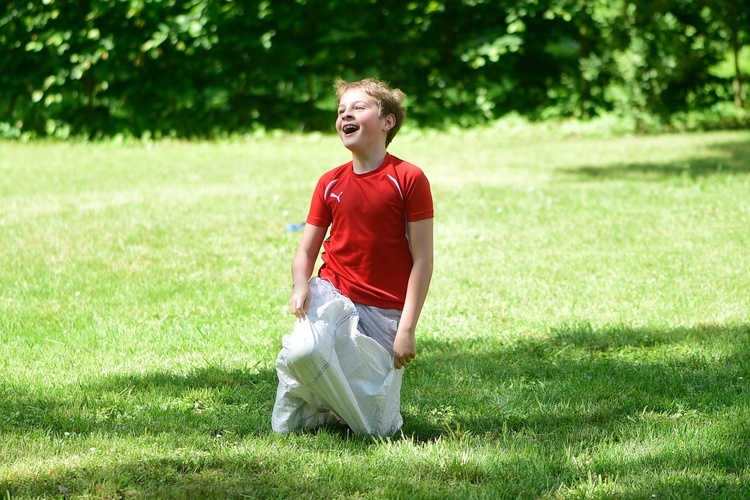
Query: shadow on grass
[
  {"x": 734, "y": 159},
  {"x": 662, "y": 411},
  {"x": 580, "y": 383},
  {"x": 211, "y": 406},
  {"x": 573, "y": 391},
  {"x": 209, "y": 400}
]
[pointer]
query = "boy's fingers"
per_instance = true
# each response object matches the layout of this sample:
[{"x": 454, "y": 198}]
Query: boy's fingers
[
  {"x": 402, "y": 361},
  {"x": 297, "y": 308}
]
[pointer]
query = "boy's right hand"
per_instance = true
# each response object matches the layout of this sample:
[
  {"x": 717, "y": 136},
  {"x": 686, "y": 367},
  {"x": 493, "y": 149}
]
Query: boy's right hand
[{"x": 299, "y": 302}]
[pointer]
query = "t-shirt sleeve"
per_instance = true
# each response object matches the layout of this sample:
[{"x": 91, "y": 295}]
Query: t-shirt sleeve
[
  {"x": 319, "y": 214},
  {"x": 418, "y": 195}
]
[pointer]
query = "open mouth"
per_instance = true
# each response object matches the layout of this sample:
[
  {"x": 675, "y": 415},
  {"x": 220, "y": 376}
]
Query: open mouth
[{"x": 350, "y": 128}]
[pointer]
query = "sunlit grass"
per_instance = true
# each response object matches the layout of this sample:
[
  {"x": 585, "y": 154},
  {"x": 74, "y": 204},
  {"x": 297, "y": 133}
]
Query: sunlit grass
[{"x": 587, "y": 334}]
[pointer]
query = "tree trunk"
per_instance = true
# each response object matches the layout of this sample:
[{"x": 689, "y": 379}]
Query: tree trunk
[
  {"x": 736, "y": 81},
  {"x": 585, "y": 30}
]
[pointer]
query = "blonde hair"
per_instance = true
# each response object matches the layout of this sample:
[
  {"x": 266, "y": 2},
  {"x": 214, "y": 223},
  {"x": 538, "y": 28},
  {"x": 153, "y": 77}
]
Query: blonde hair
[{"x": 390, "y": 101}]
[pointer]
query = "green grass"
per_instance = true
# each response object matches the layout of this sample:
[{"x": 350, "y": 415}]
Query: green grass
[{"x": 587, "y": 334}]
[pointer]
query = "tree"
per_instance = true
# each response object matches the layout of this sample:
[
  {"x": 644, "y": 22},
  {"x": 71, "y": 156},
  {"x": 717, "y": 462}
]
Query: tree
[
  {"x": 208, "y": 67},
  {"x": 732, "y": 21}
]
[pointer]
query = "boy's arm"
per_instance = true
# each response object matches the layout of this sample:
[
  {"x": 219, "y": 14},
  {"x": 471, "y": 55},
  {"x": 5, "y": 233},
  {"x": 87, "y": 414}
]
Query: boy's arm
[
  {"x": 302, "y": 268},
  {"x": 420, "y": 238}
]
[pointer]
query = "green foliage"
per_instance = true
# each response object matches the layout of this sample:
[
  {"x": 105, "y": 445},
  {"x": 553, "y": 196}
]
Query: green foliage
[
  {"x": 725, "y": 68},
  {"x": 720, "y": 116},
  {"x": 208, "y": 68}
]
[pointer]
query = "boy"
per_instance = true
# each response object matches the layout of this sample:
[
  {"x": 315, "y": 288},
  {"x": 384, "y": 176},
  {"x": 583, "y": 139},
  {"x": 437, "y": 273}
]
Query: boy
[{"x": 377, "y": 267}]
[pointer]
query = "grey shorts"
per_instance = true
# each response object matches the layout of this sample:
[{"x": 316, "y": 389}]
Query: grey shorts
[{"x": 379, "y": 324}]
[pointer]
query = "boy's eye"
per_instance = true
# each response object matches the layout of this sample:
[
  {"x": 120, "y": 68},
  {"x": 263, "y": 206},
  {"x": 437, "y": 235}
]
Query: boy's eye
[{"x": 357, "y": 107}]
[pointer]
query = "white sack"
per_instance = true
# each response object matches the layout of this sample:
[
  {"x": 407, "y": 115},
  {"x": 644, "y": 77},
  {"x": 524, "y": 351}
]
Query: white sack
[{"x": 328, "y": 369}]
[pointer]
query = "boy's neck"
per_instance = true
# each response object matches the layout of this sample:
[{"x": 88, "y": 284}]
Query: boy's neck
[{"x": 363, "y": 163}]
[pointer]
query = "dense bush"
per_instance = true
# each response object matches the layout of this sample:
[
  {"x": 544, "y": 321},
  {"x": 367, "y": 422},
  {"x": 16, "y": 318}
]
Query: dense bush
[{"x": 206, "y": 68}]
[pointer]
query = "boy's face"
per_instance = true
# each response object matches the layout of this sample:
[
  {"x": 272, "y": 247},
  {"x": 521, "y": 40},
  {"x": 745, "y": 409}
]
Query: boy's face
[{"x": 359, "y": 124}]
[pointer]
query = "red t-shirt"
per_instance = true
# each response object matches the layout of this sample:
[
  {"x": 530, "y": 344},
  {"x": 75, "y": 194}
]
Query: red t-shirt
[{"x": 366, "y": 255}]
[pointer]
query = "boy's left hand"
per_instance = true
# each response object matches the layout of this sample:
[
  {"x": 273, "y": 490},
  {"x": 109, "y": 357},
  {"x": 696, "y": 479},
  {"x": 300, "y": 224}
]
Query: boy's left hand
[{"x": 404, "y": 349}]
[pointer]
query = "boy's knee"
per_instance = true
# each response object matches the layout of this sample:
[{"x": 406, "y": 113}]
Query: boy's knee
[{"x": 305, "y": 353}]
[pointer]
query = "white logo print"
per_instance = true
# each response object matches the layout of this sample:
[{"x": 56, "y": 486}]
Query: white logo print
[{"x": 337, "y": 196}]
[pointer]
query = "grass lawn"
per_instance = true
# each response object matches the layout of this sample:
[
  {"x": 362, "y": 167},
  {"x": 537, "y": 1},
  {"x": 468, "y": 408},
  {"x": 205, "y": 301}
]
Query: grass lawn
[{"x": 587, "y": 333}]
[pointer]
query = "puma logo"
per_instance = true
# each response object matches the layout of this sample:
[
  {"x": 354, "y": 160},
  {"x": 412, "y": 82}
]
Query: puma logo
[{"x": 337, "y": 196}]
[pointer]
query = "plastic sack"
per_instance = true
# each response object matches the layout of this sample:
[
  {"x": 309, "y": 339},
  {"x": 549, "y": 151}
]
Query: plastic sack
[{"x": 330, "y": 372}]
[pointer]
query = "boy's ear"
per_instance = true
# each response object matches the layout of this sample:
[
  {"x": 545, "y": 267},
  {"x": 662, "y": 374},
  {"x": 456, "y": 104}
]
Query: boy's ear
[{"x": 390, "y": 122}]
